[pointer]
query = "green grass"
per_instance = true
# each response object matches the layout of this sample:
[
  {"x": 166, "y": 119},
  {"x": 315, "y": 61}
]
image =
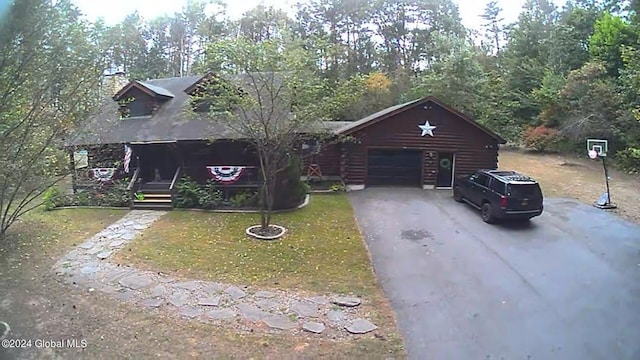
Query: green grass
[
  {"x": 40, "y": 236},
  {"x": 322, "y": 252}
]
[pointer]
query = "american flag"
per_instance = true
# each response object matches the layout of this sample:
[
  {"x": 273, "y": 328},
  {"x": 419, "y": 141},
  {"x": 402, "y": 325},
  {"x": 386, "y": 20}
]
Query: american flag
[{"x": 127, "y": 157}]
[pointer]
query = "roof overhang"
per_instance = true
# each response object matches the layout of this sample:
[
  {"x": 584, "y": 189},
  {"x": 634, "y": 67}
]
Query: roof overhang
[
  {"x": 151, "y": 90},
  {"x": 153, "y": 142}
]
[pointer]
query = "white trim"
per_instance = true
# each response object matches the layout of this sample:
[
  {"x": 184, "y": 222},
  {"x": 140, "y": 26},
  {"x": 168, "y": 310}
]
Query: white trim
[
  {"x": 602, "y": 144},
  {"x": 352, "y": 187},
  {"x": 282, "y": 229},
  {"x": 428, "y": 187}
]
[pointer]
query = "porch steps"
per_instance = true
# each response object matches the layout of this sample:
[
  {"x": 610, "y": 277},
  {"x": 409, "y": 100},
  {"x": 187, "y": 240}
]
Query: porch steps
[
  {"x": 153, "y": 201},
  {"x": 157, "y": 196}
]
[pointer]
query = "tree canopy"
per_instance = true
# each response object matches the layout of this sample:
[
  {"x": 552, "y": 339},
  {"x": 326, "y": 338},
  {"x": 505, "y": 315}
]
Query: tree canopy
[{"x": 565, "y": 73}]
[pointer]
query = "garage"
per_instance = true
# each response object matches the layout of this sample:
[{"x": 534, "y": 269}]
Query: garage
[
  {"x": 399, "y": 167},
  {"x": 422, "y": 143}
]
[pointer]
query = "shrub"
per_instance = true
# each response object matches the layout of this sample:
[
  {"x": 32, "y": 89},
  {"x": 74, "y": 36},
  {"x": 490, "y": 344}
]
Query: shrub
[
  {"x": 540, "y": 138},
  {"x": 53, "y": 198},
  {"x": 188, "y": 193},
  {"x": 244, "y": 198},
  {"x": 290, "y": 190},
  {"x": 209, "y": 196},
  {"x": 87, "y": 197},
  {"x": 117, "y": 194},
  {"x": 629, "y": 160}
]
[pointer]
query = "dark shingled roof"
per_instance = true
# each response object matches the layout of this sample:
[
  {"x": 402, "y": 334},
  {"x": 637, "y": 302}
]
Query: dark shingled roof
[
  {"x": 171, "y": 122},
  {"x": 354, "y": 124}
]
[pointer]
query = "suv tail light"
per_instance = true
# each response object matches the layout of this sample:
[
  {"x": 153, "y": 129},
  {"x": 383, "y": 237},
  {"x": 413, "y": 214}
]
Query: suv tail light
[{"x": 503, "y": 201}]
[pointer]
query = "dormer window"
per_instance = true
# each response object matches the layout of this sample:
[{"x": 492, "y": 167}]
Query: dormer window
[{"x": 139, "y": 99}]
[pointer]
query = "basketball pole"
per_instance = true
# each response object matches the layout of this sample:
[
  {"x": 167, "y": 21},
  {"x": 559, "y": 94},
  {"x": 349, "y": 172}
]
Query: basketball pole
[{"x": 606, "y": 177}]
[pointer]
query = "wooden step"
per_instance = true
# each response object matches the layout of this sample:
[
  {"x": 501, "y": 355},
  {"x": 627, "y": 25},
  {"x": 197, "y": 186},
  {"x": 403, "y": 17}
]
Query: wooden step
[
  {"x": 151, "y": 199},
  {"x": 151, "y": 206},
  {"x": 155, "y": 195}
]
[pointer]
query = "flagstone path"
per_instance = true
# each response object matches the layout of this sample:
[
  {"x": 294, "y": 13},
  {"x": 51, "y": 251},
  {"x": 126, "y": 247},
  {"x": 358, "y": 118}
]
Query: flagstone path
[{"x": 88, "y": 267}]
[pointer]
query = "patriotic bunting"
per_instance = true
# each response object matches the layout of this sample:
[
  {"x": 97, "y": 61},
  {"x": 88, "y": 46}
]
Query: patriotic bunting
[
  {"x": 226, "y": 174},
  {"x": 103, "y": 174}
]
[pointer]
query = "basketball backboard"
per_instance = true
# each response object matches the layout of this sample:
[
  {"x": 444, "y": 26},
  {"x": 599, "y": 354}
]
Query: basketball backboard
[{"x": 600, "y": 146}]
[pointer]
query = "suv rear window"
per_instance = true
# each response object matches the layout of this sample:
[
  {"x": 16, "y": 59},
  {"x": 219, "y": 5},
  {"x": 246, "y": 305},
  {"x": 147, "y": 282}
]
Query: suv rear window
[{"x": 524, "y": 191}]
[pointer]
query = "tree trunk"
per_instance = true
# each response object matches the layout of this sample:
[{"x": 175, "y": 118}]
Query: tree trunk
[{"x": 264, "y": 221}]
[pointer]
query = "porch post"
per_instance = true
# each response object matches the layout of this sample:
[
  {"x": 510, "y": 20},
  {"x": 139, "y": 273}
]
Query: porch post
[{"x": 72, "y": 165}]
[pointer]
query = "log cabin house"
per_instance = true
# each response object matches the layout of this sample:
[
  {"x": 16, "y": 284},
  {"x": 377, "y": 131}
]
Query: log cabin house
[{"x": 423, "y": 143}]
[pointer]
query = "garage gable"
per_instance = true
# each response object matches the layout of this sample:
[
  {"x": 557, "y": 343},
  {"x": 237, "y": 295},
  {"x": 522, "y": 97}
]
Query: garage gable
[{"x": 426, "y": 128}]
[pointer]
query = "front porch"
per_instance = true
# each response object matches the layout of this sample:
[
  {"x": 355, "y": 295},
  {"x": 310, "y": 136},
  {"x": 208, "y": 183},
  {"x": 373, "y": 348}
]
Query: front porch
[{"x": 227, "y": 169}]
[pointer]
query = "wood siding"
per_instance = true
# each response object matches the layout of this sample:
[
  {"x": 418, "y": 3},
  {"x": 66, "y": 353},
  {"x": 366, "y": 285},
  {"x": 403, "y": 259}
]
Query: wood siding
[
  {"x": 137, "y": 103},
  {"x": 328, "y": 159},
  {"x": 197, "y": 155},
  {"x": 473, "y": 147}
]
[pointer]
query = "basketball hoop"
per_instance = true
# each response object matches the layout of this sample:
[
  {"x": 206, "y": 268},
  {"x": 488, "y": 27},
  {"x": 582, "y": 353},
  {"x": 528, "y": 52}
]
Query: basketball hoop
[{"x": 597, "y": 148}]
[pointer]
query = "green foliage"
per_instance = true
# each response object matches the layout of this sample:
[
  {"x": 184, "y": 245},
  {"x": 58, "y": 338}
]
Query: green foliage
[
  {"x": 610, "y": 34},
  {"x": 244, "y": 199},
  {"x": 547, "y": 97},
  {"x": 117, "y": 194},
  {"x": 53, "y": 198},
  {"x": 592, "y": 105},
  {"x": 86, "y": 197},
  {"x": 337, "y": 187},
  {"x": 290, "y": 190},
  {"x": 210, "y": 197},
  {"x": 457, "y": 78},
  {"x": 49, "y": 70},
  {"x": 188, "y": 193},
  {"x": 629, "y": 160},
  {"x": 540, "y": 138}
]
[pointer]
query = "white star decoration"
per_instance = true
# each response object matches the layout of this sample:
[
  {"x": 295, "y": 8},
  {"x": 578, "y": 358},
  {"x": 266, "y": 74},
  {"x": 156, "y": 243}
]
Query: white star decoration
[{"x": 427, "y": 129}]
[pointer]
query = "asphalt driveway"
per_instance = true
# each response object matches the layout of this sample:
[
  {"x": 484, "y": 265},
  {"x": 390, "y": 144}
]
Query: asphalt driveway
[{"x": 565, "y": 286}]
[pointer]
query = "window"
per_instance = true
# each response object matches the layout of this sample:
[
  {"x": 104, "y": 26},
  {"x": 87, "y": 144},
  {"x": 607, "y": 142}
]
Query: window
[
  {"x": 498, "y": 186},
  {"x": 524, "y": 191},
  {"x": 483, "y": 180}
]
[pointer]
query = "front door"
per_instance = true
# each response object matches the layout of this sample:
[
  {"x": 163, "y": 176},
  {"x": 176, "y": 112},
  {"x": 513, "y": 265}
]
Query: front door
[
  {"x": 445, "y": 170},
  {"x": 157, "y": 162}
]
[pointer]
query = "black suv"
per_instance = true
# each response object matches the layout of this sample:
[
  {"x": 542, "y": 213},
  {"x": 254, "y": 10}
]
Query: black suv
[{"x": 500, "y": 194}]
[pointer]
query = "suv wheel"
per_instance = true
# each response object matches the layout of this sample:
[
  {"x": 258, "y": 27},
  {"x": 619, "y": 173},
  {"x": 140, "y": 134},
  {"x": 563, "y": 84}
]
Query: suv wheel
[
  {"x": 487, "y": 213},
  {"x": 456, "y": 194}
]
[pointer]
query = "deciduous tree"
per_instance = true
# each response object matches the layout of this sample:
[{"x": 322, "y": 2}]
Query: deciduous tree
[{"x": 49, "y": 70}]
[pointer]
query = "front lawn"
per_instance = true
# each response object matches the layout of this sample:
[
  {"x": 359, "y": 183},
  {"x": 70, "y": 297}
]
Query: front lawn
[
  {"x": 39, "y": 307},
  {"x": 322, "y": 251}
]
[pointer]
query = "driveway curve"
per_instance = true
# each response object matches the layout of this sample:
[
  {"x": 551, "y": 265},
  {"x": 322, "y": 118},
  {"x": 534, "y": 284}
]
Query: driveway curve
[{"x": 564, "y": 286}]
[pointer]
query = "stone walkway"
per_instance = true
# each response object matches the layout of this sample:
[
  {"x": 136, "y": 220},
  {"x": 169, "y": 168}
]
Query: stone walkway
[{"x": 88, "y": 266}]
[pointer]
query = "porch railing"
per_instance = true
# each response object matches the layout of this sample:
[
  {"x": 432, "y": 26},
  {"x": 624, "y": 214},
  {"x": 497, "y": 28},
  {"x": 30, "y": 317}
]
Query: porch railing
[
  {"x": 176, "y": 176},
  {"x": 134, "y": 179}
]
